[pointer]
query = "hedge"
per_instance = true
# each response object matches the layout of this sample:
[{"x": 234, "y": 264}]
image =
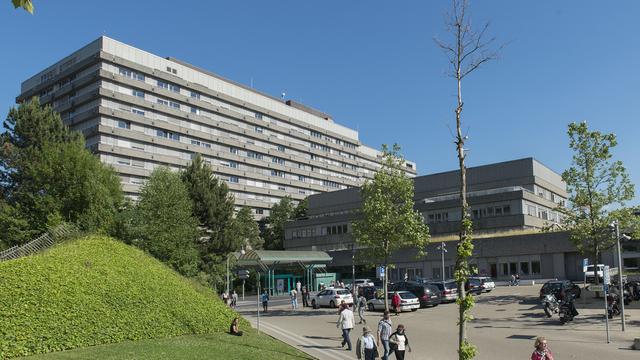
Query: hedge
[{"x": 97, "y": 290}]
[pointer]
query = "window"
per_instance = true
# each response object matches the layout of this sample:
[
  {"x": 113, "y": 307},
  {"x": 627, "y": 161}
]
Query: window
[
  {"x": 174, "y": 105},
  {"x": 531, "y": 210},
  {"x": 513, "y": 267},
  {"x": 254, "y": 155},
  {"x": 280, "y": 148},
  {"x": 301, "y": 178},
  {"x": 277, "y": 160},
  {"x": 233, "y": 150},
  {"x": 167, "y": 135},
  {"x": 316, "y": 134},
  {"x": 122, "y": 161},
  {"x": 524, "y": 268},
  {"x": 259, "y": 129},
  {"x": 131, "y": 74},
  {"x": 195, "y": 110},
  {"x": 505, "y": 269},
  {"x": 259, "y": 211},
  {"x": 277, "y": 173},
  {"x": 498, "y": 211},
  {"x": 282, "y": 188},
  {"x": 258, "y": 116},
  {"x": 174, "y": 88},
  {"x": 137, "y": 111},
  {"x": 233, "y": 164},
  {"x": 344, "y": 228},
  {"x": 163, "y": 102},
  {"x": 124, "y": 124},
  {"x": 138, "y": 93},
  {"x": 195, "y": 95},
  {"x": 234, "y": 179},
  {"x": 506, "y": 210},
  {"x": 162, "y": 84},
  {"x": 535, "y": 267}
]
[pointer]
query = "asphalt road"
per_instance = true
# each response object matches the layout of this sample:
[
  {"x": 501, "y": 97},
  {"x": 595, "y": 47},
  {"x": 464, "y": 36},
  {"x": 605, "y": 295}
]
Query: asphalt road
[{"x": 506, "y": 323}]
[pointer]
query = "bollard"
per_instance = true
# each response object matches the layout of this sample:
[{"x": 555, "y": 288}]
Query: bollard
[{"x": 636, "y": 344}]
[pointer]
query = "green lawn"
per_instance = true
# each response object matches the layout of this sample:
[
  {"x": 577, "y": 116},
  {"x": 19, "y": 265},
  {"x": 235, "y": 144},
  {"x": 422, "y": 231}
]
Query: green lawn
[{"x": 210, "y": 346}]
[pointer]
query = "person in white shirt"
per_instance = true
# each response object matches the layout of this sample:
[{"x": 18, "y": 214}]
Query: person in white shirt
[
  {"x": 294, "y": 299},
  {"x": 366, "y": 346},
  {"x": 399, "y": 342},
  {"x": 345, "y": 322}
]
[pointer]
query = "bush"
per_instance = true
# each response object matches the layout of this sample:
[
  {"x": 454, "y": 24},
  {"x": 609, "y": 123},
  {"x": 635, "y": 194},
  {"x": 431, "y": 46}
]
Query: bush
[{"x": 95, "y": 291}]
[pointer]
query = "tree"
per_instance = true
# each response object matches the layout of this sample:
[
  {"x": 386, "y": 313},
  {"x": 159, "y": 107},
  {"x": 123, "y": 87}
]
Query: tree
[
  {"x": 25, "y": 4},
  {"x": 164, "y": 223},
  {"x": 273, "y": 228},
  {"x": 388, "y": 221},
  {"x": 48, "y": 176},
  {"x": 301, "y": 209},
  {"x": 243, "y": 231},
  {"x": 468, "y": 51},
  {"x": 598, "y": 189}
]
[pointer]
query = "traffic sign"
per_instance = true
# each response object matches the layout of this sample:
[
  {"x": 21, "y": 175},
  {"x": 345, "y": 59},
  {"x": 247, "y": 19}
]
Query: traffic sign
[
  {"x": 243, "y": 274},
  {"x": 606, "y": 275},
  {"x": 380, "y": 272},
  {"x": 585, "y": 264}
]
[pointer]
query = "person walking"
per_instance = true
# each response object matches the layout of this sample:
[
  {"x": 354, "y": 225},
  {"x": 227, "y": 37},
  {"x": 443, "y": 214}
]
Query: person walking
[
  {"x": 517, "y": 279},
  {"x": 399, "y": 342},
  {"x": 299, "y": 287},
  {"x": 264, "y": 298},
  {"x": 542, "y": 351},
  {"x": 225, "y": 298},
  {"x": 395, "y": 302},
  {"x": 234, "y": 299},
  {"x": 294, "y": 299},
  {"x": 384, "y": 332},
  {"x": 362, "y": 305},
  {"x": 366, "y": 348},
  {"x": 305, "y": 297},
  {"x": 513, "y": 280},
  {"x": 345, "y": 322}
]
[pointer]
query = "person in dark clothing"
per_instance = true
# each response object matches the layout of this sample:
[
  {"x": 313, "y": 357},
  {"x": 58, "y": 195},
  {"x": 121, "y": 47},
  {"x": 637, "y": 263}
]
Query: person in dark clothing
[
  {"x": 265, "y": 300},
  {"x": 234, "y": 329},
  {"x": 305, "y": 297},
  {"x": 399, "y": 342}
]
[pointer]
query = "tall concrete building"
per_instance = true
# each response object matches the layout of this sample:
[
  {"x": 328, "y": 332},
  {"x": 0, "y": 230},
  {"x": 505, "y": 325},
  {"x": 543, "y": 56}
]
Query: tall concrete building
[{"x": 139, "y": 111}]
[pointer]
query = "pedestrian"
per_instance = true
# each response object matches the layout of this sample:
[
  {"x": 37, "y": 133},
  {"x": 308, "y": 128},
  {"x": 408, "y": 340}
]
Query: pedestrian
[
  {"x": 399, "y": 342},
  {"x": 234, "y": 299},
  {"x": 384, "y": 332},
  {"x": 542, "y": 351},
  {"x": 294, "y": 299},
  {"x": 265, "y": 300},
  {"x": 513, "y": 280},
  {"x": 395, "y": 302},
  {"x": 303, "y": 292},
  {"x": 517, "y": 279},
  {"x": 343, "y": 305},
  {"x": 362, "y": 304},
  {"x": 225, "y": 298},
  {"x": 366, "y": 348},
  {"x": 234, "y": 329},
  {"x": 345, "y": 322},
  {"x": 299, "y": 287}
]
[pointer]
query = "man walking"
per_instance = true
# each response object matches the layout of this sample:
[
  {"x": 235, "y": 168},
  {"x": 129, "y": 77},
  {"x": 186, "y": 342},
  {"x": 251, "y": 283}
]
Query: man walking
[
  {"x": 362, "y": 304},
  {"x": 265, "y": 301},
  {"x": 345, "y": 322},
  {"x": 305, "y": 297},
  {"x": 294, "y": 299},
  {"x": 299, "y": 287},
  {"x": 384, "y": 332}
]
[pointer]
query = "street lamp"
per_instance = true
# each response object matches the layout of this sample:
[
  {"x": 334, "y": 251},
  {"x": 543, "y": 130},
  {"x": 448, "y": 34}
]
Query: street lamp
[
  {"x": 443, "y": 249},
  {"x": 353, "y": 270},
  {"x": 242, "y": 252},
  {"x": 614, "y": 225}
]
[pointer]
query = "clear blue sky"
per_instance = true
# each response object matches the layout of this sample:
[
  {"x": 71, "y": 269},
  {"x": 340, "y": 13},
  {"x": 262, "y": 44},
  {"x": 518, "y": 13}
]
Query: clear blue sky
[{"x": 374, "y": 67}]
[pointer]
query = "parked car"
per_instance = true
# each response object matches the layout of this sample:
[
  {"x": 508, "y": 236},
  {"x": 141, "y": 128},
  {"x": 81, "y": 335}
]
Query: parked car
[
  {"x": 473, "y": 287},
  {"x": 408, "y": 301},
  {"x": 364, "y": 282},
  {"x": 369, "y": 292},
  {"x": 590, "y": 274},
  {"x": 560, "y": 288},
  {"x": 331, "y": 297},
  {"x": 486, "y": 283},
  {"x": 448, "y": 289},
  {"x": 428, "y": 295}
]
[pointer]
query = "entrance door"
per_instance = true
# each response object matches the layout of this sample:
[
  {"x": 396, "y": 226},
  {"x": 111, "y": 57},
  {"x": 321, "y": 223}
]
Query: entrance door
[{"x": 493, "y": 270}]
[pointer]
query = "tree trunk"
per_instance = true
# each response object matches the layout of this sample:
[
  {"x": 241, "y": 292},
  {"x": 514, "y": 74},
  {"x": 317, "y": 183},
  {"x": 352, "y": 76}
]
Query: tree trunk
[{"x": 385, "y": 282}]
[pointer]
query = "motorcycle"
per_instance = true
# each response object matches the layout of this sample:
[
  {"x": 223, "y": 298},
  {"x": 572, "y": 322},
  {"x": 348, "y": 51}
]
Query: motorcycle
[
  {"x": 613, "y": 307},
  {"x": 550, "y": 304},
  {"x": 567, "y": 310}
]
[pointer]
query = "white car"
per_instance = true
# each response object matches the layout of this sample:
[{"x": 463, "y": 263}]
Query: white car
[
  {"x": 364, "y": 282},
  {"x": 408, "y": 302},
  {"x": 331, "y": 297},
  {"x": 486, "y": 283}
]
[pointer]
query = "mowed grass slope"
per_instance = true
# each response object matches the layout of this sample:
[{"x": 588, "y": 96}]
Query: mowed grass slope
[{"x": 97, "y": 291}]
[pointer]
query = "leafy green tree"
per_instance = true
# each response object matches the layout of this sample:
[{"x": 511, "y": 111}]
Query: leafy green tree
[
  {"x": 598, "y": 189},
  {"x": 164, "y": 223},
  {"x": 273, "y": 225},
  {"x": 25, "y": 4},
  {"x": 244, "y": 231},
  {"x": 301, "y": 209},
  {"x": 48, "y": 176},
  {"x": 388, "y": 221}
]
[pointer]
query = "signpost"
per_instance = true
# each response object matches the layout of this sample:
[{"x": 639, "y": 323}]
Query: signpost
[
  {"x": 380, "y": 272},
  {"x": 243, "y": 274},
  {"x": 585, "y": 266},
  {"x": 605, "y": 285}
]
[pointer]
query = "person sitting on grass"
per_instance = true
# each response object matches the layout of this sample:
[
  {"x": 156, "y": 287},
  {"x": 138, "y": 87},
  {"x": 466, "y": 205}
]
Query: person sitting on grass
[{"x": 234, "y": 329}]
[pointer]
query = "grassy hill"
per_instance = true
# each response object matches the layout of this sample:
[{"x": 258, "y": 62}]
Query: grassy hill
[{"x": 98, "y": 291}]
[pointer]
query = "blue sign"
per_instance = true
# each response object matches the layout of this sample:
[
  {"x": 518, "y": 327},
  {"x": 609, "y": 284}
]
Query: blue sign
[{"x": 380, "y": 272}]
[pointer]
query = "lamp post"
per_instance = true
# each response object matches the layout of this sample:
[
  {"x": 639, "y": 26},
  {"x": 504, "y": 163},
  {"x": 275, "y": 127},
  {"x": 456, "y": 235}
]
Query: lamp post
[
  {"x": 353, "y": 270},
  {"x": 229, "y": 257},
  {"x": 443, "y": 249},
  {"x": 621, "y": 287}
]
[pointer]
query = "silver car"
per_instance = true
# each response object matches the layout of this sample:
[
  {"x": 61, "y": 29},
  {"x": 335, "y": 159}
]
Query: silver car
[
  {"x": 332, "y": 298},
  {"x": 408, "y": 302}
]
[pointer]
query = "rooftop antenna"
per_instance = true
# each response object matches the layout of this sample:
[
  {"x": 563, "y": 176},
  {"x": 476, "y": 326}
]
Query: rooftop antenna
[{"x": 283, "y": 95}]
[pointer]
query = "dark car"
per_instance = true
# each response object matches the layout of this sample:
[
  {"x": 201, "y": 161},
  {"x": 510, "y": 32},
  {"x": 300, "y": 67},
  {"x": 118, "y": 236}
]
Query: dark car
[
  {"x": 448, "y": 290},
  {"x": 474, "y": 286},
  {"x": 429, "y": 295},
  {"x": 369, "y": 292},
  {"x": 560, "y": 288}
]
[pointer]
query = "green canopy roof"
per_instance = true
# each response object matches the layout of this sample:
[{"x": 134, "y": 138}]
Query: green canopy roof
[{"x": 281, "y": 257}]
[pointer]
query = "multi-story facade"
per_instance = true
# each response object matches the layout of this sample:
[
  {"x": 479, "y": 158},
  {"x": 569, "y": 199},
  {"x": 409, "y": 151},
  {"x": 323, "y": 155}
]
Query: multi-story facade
[
  {"x": 139, "y": 111},
  {"x": 510, "y": 203}
]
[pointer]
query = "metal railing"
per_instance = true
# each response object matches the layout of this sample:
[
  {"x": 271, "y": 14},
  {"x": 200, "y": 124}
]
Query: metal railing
[{"x": 40, "y": 243}]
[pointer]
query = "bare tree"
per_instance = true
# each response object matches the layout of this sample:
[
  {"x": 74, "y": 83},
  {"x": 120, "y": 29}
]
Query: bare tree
[{"x": 467, "y": 51}]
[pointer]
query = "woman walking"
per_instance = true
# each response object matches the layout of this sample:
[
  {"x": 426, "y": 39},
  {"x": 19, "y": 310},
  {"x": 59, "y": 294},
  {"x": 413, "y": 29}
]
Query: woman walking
[{"x": 399, "y": 342}]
